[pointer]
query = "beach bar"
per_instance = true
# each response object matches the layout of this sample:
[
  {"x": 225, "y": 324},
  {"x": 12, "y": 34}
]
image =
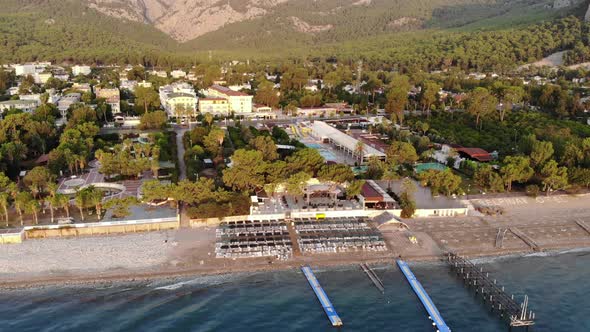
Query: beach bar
[
  {"x": 423, "y": 296},
  {"x": 322, "y": 297}
]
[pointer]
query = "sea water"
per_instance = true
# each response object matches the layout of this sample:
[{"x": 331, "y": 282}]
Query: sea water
[{"x": 557, "y": 285}]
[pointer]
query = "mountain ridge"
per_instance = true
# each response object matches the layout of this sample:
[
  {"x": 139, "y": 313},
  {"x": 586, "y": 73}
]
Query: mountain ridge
[
  {"x": 188, "y": 20},
  {"x": 73, "y": 31}
]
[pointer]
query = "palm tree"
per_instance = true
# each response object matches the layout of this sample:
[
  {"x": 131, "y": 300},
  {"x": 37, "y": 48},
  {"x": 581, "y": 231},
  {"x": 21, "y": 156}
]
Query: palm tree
[
  {"x": 33, "y": 207},
  {"x": 359, "y": 149},
  {"x": 63, "y": 201},
  {"x": 389, "y": 175},
  {"x": 4, "y": 203},
  {"x": 52, "y": 190},
  {"x": 81, "y": 201},
  {"x": 20, "y": 203},
  {"x": 94, "y": 197},
  {"x": 155, "y": 162}
]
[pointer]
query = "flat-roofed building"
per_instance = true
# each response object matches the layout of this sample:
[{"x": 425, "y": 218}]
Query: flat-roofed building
[
  {"x": 178, "y": 95},
  {"x": 178, "y": 73},
  {"x": 25, "y": 69},
  {"x": 42, "y": 78},
  {"x": 82, "y": 87},
  {"x": 81, "y": 70},
  {"x": 23, "y": 105},
  {"x": 128, "y": 85},
  {"x": 66, "y": 101},
  {"x": 344, "y": 142}
]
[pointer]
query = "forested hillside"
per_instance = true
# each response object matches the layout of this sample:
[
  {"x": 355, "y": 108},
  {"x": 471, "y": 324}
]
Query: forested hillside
[
  {"x": 64, "y": 30},
  {"x": 331, "y": 21},
  {"x": 422, "y": 34}
]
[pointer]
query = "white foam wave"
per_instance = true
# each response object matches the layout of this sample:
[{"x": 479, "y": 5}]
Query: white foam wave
[{"x": 212, "y": 280}]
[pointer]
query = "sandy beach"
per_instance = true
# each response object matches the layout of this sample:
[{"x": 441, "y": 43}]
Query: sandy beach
[{"x": 549, "y": 221}]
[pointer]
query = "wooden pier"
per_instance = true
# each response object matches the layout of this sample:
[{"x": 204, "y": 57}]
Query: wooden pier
[
  {"x": 492, "y": 293},
  {"x": 374, "y": 278},
  {"x": 500, "y": 237},
  {"x": 527, "y": 239},
  {"x": 583, "y": 225}
]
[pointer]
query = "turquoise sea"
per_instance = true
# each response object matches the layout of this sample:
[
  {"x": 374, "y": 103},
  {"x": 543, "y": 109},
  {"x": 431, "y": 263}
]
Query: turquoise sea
[{"x": 283, "y": 301}]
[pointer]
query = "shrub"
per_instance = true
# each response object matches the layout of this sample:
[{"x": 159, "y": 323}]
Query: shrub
[{"x": 532, "y": 190}]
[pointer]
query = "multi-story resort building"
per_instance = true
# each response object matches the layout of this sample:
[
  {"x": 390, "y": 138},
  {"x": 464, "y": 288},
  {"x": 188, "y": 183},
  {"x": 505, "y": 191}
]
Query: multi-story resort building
[
  {"x": 178, "y": 95},
  {"x": 238, "y": 102}
]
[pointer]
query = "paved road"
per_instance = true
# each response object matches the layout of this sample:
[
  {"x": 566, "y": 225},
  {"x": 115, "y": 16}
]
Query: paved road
[{"x": 180, "y": 149}]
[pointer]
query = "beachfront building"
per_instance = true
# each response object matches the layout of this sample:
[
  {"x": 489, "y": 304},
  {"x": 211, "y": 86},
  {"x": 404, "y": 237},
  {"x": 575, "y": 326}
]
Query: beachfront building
[
  {"x": 374, "y": 196},
  {"x": 81, "y": 70},
  {"x": 239, "y": 102},
  {"x": 23, "y": 105},
  {"x": 215, "y": 106},
  {"x": 349, "y": 145},
  {"x": 112, "y": 97},
  {"x": 176, "y": 96}
]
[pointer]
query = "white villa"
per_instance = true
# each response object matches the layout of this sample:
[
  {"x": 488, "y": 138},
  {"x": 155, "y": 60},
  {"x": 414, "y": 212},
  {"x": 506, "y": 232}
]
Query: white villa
[
  {"x": 81, "y": 70},
  {"x": 112, "y": 97}
]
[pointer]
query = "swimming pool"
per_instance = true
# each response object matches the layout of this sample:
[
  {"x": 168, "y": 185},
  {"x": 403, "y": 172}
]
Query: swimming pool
[
  {"x": 327, "y": 154},
  {"x": 428, "y": 166}
]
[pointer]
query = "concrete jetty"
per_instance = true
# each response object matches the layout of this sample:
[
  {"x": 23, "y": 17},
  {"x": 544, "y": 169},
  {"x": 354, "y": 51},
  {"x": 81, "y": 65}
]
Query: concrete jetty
[
  {"x": 322, "y": 297},
  {"x": 435, "y": 315}
]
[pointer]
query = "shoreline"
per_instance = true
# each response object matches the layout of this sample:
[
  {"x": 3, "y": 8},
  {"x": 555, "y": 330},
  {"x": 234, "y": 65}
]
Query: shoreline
[
  {"x": 549, "y": 228},
  {"x": 90, "y": 278}
]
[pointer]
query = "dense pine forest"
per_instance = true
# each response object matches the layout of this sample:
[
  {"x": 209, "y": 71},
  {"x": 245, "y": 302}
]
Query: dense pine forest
[{"x": 485, "y": 35}]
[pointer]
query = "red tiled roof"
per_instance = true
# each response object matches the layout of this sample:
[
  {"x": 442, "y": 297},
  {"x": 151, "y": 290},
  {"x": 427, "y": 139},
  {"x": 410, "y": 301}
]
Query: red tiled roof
[
  {"x": 212, "y": 98},
  {"x": 227, "y": 91},
  {"x": 476, "y": 153},
  {"x": 370, "y": 194}
]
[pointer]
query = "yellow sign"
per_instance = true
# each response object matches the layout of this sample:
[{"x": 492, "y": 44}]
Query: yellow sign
[{"x": 319, "y": 216}]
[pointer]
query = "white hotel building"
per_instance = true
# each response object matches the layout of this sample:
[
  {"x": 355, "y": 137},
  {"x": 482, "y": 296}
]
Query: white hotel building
[
  {"x": 238, "y": 102},
  {"x": 174, "y": 95}
]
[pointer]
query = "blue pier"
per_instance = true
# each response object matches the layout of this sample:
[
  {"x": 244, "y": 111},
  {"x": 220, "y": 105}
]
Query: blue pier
[
  {"x": 322, "y": 297},
  {"x": 424, "y": 298}
]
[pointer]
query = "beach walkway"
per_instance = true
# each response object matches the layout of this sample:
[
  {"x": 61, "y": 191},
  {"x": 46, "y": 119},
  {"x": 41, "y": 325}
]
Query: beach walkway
[
  {"x": 423, "y": 296},
  {"x": 293, "y": 236}
]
